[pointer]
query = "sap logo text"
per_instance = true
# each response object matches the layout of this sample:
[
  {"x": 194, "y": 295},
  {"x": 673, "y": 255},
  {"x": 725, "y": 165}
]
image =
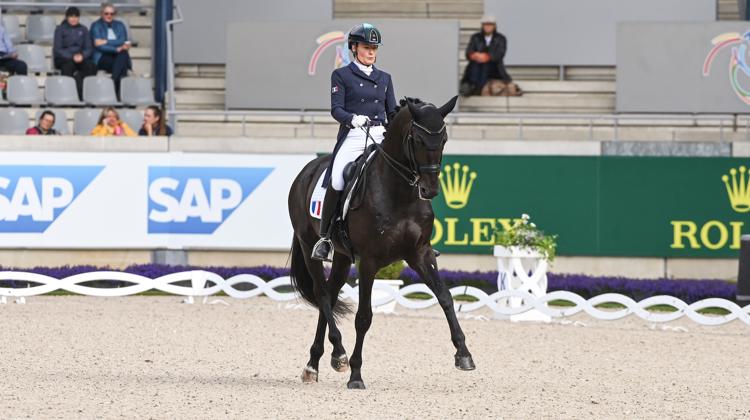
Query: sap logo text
[
  {"x": 197, "y": 200},
  {"x": 33, "y": 197}
]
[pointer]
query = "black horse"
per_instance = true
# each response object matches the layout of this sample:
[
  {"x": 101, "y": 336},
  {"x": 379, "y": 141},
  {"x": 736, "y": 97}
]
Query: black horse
[{"x": 393, "y": 222}]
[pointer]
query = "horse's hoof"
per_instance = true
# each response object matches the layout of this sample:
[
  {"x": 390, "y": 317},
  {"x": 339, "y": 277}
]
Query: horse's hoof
[
  {"x": 340, "y": 363},
  {"x": 309, "y": 375},
  {"x": 465, "y": 363},
  {"x": 355, "y": 385}
]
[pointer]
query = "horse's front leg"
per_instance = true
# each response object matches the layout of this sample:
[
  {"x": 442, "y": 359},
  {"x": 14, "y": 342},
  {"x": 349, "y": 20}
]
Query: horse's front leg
[
  {"x": 362, "y": 321},
  {"x": 424, "y": 263}
]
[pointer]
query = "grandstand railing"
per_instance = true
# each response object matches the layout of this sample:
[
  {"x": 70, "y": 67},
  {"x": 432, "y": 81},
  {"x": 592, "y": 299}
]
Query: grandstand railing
[
  {"x": 34, "y": 5},
  {"x": 177, "y": 18},
  {"x": 725, "y": 122}
]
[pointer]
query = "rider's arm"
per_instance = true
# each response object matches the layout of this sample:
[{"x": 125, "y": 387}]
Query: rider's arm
[
  {"x": 338, "y": 100},
  {"x": 390, "y": 101}
]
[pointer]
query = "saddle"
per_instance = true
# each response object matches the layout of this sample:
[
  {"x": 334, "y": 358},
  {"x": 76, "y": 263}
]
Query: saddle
[{"x": 355, "y": 174}]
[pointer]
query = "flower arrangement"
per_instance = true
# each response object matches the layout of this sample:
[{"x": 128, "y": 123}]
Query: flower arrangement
[{"x": 525, "y": 235}]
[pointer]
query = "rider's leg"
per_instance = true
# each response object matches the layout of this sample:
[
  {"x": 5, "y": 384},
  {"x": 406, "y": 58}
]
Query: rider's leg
[{"x": 349, "y": 150}]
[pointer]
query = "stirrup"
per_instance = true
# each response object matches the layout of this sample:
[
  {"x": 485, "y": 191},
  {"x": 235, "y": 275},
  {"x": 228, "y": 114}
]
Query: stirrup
[{"x": 322, "y": 250}]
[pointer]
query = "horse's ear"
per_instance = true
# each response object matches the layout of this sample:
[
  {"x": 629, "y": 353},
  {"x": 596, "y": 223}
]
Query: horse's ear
[
  {"x": 448, "y": 107},
  {"x": 412, "y": 109}
]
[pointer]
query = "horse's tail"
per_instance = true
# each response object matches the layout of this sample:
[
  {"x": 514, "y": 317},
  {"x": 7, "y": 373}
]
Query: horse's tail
[{"x": 304, "y": 284}]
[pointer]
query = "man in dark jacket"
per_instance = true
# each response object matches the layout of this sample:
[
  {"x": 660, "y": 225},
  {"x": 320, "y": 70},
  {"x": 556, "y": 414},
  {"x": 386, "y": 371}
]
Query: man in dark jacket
[
  {"x": 73, "y": 49},
  {"x": 485, "y": 52}
]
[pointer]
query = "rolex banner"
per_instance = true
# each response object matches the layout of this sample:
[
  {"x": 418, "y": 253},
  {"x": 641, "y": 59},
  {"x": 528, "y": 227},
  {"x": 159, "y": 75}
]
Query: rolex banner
[
  {"x": 599, "y": 206},
  {"x": 608, "y": 206}
]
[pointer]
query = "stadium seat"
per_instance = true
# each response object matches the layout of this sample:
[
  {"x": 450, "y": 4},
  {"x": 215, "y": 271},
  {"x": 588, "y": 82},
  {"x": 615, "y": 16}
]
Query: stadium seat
[
  {"x": 61, "y": 91},
  {"x": 13, "y": 121},
  {"x": 34, "y": 57},
  {"x": 99, "y": 91},
  {"x": 85, "y": 120},
  {"x": 132, "y": 117},
  {"x": 137, "y": 91},
  {"x": 61, "y": 120},
  {"x": 40, "y": 29},
  {"x": 13, "y": 28},
  {"x": 24, "y": 90}
]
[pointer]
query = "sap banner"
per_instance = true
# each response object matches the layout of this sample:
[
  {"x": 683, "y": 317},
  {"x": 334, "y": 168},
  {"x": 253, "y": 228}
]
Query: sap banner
[{"x": 146, "y": 200}]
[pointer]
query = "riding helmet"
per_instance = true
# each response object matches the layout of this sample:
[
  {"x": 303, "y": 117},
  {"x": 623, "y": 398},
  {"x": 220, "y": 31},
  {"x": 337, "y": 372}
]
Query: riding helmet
[{"x": 366, "y": 34}]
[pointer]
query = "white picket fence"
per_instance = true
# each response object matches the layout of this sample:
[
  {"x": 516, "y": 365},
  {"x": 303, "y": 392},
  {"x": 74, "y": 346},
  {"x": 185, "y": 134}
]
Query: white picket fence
[{"x": 204, "y": 283}]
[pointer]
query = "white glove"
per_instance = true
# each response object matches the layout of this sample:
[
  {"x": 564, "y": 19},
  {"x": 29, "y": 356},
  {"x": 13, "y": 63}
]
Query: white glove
[{"x": 359, "y": 121}]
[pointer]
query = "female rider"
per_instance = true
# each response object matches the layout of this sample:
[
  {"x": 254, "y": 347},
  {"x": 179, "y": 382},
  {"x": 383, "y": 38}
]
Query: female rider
[{"x": 361, "y": 95}]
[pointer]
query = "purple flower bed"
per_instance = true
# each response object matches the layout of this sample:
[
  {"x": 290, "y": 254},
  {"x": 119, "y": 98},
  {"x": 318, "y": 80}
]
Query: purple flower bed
[{"x": 586, "y": 286}]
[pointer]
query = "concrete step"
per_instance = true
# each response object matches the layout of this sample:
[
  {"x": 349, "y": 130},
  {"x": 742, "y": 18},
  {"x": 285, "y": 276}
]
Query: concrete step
[
  {"x": 457, "y": 133},
  {"x": 199, "y": 99},
  {"x": 200, "y": 83},
  {"x": 200, "y": 70},
  {"x": 565, "y": 86},
  {"x": 541, "y": 102},
  {"x": 408, "y": 9}
]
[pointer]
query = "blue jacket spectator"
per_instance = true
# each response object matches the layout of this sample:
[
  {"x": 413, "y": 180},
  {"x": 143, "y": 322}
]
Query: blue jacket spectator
[
  {"x": 73, "y": 49},
  {"x": 9, "y": 56},
  {"x": 111, "y": 45}
]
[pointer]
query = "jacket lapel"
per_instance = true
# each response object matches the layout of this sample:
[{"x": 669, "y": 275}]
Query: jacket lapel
[{"x": 353, "y": 67}]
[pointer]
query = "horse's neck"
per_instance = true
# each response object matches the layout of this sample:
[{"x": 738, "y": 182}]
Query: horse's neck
[{"x": 387, "y": 176}]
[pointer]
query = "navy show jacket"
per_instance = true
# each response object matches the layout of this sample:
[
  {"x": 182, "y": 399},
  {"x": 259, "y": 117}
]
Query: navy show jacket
[{"x": 355, "y": 93}]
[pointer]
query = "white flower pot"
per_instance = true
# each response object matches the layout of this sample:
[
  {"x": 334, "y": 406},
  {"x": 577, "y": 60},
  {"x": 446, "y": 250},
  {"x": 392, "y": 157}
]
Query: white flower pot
[{"x": 521, "y": 269}]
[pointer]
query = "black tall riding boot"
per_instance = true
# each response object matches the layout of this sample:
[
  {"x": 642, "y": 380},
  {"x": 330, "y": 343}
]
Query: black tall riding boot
[{"x": 323, "y": 247}]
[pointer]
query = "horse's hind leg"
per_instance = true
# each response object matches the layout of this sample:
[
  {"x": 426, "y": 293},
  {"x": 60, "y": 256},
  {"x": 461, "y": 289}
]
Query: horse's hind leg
[
  {"x": 339, "y": 274},
  {"x": 425, "y": 265}
]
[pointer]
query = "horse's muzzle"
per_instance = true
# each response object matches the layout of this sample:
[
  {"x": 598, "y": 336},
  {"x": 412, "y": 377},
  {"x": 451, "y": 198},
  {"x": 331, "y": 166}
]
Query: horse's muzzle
[{"x": 426, "y": 193}]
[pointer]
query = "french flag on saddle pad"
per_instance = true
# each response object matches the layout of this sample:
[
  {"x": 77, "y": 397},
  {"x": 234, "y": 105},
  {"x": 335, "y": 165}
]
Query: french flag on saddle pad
[
  {"x": 315, "y": 208},
  {"x": 318, "y": 195}
]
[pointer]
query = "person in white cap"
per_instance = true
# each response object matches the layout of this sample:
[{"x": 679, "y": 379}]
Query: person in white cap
[{"x": 485, "y": 52}]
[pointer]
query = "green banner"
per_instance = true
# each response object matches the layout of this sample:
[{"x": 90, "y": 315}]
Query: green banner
[{"x": 599, "y": 206}]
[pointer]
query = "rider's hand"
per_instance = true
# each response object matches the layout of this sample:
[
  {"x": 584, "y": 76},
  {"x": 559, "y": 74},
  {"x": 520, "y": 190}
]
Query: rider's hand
[{"x": 359, "y": 121}]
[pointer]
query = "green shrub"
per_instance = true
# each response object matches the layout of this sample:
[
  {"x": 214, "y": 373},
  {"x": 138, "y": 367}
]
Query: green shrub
[{"x": 391, "y": 271}]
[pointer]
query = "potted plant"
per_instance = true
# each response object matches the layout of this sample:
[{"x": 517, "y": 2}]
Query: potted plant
[
  {"x": 524, "y": 239},
  {"x": 523, "y": 252}
]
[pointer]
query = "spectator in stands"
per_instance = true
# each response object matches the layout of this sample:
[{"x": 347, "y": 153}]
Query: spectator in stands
[
  {"x": 111, "y": 45},
  {"x": 73, "y": 49},
  {"x": 45, "y": 125},
  {"x": 9, "y": 56},
  {"x": 110, "y": 125},
  {"x": 485, "y": 52},
  {"x": 153, "y": 123}
]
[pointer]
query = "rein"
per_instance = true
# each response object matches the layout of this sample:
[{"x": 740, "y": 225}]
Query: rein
[{"x": 410, "y": 174}]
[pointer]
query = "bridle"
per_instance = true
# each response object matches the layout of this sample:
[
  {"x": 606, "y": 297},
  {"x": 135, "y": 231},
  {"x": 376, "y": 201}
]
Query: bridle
[{"x": 412, "y": 174}]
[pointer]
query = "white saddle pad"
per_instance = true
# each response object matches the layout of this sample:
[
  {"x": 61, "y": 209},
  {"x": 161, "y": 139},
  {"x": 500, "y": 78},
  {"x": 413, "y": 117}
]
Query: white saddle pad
[
  {"x": 319, "y": 193},
  {"x": 316, "y": 202}
]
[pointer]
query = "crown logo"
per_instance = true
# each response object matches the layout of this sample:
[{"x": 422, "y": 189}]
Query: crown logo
[
  {"x": 738, "y": 190},
  {"x": 456, "y": 183}
]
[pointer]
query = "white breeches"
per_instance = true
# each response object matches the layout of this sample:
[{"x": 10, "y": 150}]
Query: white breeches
[{"x": 353, "y": 146}]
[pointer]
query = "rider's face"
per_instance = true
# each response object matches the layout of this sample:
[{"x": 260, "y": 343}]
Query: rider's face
[{"x": 366, "y": 53}]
